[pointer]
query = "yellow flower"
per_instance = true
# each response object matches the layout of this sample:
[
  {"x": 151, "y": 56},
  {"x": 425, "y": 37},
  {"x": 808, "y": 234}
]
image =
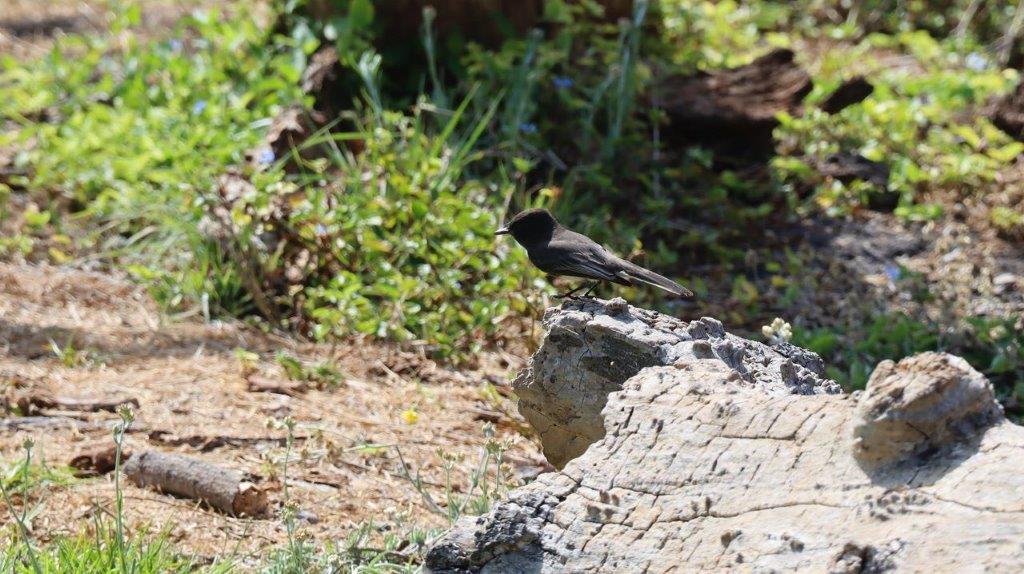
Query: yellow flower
[{"x": 410, "y": 416}]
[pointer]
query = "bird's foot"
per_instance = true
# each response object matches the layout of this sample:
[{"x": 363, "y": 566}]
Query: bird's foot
[{"x": 571, "y": 295}]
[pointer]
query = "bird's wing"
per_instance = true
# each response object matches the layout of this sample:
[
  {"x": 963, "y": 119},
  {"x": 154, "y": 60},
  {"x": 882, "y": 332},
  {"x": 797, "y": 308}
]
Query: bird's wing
[
  {"x": 586, "y": 270},
  {"x": 579, "y": 256}
]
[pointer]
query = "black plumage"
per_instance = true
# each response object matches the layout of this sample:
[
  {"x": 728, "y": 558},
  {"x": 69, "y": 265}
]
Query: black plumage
[{"x": 558, "y": 250}]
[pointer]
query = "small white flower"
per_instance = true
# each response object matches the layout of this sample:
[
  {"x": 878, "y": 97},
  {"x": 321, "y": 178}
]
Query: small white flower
[{"x": 778, "y": 332}]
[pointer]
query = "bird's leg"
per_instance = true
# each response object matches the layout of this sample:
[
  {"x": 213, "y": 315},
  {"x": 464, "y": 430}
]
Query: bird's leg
[
  {"x": 570, "y": 294},
  {"x": 591, "y": 290}
]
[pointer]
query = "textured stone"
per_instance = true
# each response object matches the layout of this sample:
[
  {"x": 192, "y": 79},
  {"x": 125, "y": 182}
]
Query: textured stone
[
  {"x": 712, "y": 461},
  {"x": 592, "y": 347}
]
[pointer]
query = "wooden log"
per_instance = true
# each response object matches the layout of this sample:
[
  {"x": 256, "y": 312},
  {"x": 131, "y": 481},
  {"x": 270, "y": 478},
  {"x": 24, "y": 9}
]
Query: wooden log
[
  {"x": 1007, "y": 113},
  {"x": 34, "y": 402},
  {"x": 258, "y": 384},
  {"x": 221, "y": 488},
  {"x": 733, "y": 456},
  {"x": 850, "y": 92},
  {"x": 30, "y": 423},
  {"x": 733, "y": 111},
  {"x": 487, "y": 22},
  {"x": 97, "y": 459},
  {"x": 205, "y": 443}
]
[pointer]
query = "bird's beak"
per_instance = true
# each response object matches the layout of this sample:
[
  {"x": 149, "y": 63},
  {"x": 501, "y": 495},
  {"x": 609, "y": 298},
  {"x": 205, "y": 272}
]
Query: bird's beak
[{"x": 502, "y": 231}]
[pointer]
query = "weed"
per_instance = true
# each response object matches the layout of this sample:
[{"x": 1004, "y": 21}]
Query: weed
[
  {"x": 21, "y": 519},
  {"x": 488, "y": 481},
  {"x": 321, "y": 375},
  {"x": 68, "y": 354}
]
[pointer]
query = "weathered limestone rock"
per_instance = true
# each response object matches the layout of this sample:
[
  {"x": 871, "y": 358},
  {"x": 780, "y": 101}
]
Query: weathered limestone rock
[
  {"x": 593, "y": 347},
  {"x": 719, "y": 460},
  {"x": 919, "y": 405}
]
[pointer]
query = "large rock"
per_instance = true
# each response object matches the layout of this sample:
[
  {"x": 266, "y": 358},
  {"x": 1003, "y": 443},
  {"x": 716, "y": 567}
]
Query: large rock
[
  {"x": 714, "y": 463},
  {"x": 592, "y": 347}
]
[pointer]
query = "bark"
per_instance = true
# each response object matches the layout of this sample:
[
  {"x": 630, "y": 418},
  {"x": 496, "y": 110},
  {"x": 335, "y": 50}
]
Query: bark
[
  {"x": 850, "y": 92},
  {"x": 715, "y": 464},
  {"x": 733, "y": 111},
  {"x": 37, "y": 401},
  {"x": 598, "y": 346},
  {"x": 223, "y": 489},
  {"x": 1008, "y": 113}
]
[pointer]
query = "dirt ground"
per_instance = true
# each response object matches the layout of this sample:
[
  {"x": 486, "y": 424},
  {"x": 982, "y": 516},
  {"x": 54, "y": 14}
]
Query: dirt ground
[
  {"x": 29, "y": 28},
  {"x": 192, "y": 395}
]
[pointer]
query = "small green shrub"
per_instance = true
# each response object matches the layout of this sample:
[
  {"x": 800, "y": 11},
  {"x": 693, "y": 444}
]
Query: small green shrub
[
  {"x": 95, "y": 552},
  {"x": 993, "y": 346},
  {"x": 1008, "y": 221},
  {"x": 916, "y": 121},
  {"x": 852, "y": 356},
  {"x": 394, "y": 242}
]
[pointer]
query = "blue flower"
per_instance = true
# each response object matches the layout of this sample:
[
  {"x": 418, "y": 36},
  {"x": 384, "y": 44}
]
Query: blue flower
[
  {"x": 976, "y": 62},
  {"x": 176, "y": 45},
  {"x": 199, "y": 107},
  {"x": 321, "y": 229},
  {"x": 265, "y": 156},
  {"x": 893, "y": 272},
  {"x": 562, "y": 82},
  {"x": 528, "y": 128}
]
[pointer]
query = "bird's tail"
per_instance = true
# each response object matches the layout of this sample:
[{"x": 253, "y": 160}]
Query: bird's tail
[{"x": 635, "y": 272}]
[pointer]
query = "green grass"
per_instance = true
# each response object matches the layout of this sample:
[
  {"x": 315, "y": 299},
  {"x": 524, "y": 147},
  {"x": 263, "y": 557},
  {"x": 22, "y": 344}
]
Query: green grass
[
  {"x": 97, "y": 553},
  {"x": 387, "y": 232}
]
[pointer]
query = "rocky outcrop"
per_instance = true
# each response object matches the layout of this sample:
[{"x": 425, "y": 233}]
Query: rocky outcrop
[
  {"x": 722, "y": 454},
  {"x": 592, "y": 347}
]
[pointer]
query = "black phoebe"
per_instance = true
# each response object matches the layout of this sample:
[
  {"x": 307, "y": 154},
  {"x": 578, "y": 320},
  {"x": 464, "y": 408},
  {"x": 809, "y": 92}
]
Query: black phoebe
[{"x": 557, "y": 250}]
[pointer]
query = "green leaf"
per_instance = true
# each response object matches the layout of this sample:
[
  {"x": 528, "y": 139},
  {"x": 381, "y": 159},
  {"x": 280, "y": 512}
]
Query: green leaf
[{"x": 360, "y": 13}]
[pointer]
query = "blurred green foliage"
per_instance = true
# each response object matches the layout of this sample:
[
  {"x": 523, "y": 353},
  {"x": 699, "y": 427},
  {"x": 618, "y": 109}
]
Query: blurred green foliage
[
  {"x": 915, "y": 122},
  {"x": 393, "y": 239}
]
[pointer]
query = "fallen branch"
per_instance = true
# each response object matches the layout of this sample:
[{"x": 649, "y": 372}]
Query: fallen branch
[
  {"x": 97, "y": 460},
  {"x": 40, "y": 422},
  {"x": 221, "y": 488},
  {"x": 258, "y": 384},
  {"x": 208, "y": 443},
  {"x": 43, "y": 400}
]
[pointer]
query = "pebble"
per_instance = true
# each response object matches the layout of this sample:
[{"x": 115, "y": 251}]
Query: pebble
[{"x": 307, "y": 516}]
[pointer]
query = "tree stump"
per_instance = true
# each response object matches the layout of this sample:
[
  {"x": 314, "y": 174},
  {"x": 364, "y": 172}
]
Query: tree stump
[
  {"x": 733, "y": 111},
  {"x": 1008, "y": 113}
]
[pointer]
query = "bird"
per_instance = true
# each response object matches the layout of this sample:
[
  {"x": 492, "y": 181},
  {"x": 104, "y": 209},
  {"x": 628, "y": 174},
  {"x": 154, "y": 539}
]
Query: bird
[{"x": 558, "y": 250}]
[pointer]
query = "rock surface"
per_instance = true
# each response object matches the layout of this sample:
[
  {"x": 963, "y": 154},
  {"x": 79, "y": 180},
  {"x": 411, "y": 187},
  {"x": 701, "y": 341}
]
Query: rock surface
[
  {"x": 592, "y": 347},
  {"x": 723, "y": 454}
]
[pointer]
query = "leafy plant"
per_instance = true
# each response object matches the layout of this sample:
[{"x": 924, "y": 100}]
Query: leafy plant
[{"x": 853, "y": 357}]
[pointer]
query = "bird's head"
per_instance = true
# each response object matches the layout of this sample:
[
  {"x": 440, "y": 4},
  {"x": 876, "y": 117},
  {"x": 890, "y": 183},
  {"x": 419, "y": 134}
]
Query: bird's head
[{"x": 530, "y": 226}]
